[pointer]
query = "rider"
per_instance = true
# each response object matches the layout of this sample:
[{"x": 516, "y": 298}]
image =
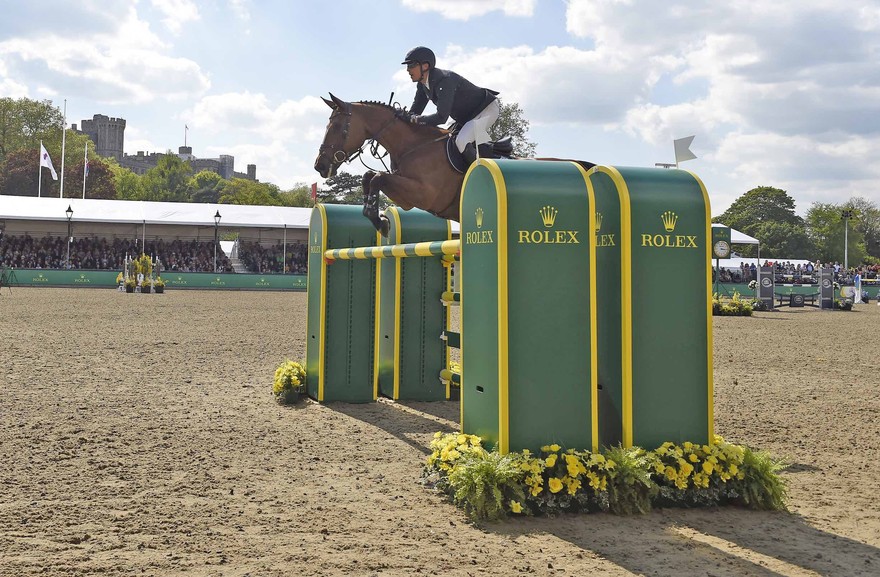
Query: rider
[{"x": 472, "y": 108}]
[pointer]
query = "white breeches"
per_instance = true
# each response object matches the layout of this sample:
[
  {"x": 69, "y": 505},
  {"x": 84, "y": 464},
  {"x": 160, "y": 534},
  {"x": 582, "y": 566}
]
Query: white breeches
[{"x": 477, "y": 130}]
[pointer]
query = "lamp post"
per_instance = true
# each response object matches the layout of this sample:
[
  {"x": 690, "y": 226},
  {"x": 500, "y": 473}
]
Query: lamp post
[
  {"x": 846, "y": 215},
  {"x": 216, "y": 224},
  {"x": 69, "y": 213}
]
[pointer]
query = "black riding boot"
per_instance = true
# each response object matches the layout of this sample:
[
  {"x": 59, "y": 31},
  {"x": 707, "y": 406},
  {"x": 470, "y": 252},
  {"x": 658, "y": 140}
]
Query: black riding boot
[{"x": 469, "y": 153}]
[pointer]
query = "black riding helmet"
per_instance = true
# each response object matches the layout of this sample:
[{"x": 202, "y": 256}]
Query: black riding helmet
[{"x": 420, "y": 54}]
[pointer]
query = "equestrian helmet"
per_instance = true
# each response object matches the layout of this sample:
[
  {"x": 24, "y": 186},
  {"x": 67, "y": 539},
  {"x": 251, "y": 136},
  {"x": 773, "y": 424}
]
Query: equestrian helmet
[{"x": 420, "y": 54}]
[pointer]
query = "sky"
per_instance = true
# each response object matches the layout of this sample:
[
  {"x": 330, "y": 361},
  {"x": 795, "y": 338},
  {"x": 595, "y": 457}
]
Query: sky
[{"x": 783, "y": 93}]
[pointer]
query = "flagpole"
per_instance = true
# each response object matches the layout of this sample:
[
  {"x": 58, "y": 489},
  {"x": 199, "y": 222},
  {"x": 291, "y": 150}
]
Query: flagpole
[
  {"x": 85, "y": 167},
  {"x": 63, "y": 139},
  {"x": 40, "y": 174}
]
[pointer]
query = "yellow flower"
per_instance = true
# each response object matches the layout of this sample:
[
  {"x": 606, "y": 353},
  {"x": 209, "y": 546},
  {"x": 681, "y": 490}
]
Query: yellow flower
[
  {"x": 708, "y": 467},
  {"x": 671, "y": 473},
  {"x": 554, "y": 447},
  {"x": 546, "y": 448},
  {"x": 515, "y": 507},
  {"x": 536, "y": 490},
  {"x": 462, "y": 439},
  {"x": 573, "y": 485},
  {"x": 550, "y": 461},
  {"x": 555, "y": 485},
  {"x": 693, "y": 458}
]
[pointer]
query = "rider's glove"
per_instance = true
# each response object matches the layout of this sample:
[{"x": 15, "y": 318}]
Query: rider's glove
[{"x": 416, "y": 119}]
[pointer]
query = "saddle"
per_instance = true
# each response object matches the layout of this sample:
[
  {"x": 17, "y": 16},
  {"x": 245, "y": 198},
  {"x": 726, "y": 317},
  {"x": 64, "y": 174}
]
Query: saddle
[{"x": 502, "y": 148}]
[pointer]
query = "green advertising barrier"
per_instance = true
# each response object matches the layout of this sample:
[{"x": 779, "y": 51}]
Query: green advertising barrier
[
  {"x": 173, "y": 280},
  {"x": 341, "y": 308},
  {"x": 411, "y": 315},
  {"x": 528, "y": 320},
  {"x": 656, "y": 267}
]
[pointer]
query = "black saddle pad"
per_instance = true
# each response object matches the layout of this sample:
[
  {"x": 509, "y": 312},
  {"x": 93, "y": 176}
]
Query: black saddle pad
[{"x": 499, "y": 149}]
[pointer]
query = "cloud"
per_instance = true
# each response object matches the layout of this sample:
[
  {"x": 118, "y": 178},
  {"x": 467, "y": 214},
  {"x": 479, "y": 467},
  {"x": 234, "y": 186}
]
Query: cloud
[
  {"x": 274, "y": 136},
  {"x": 467, "y": 9},
  {"x": 176, "y": 13},
  {"x": 241, "y": 9},
  {"x": 121, "y": 64}
]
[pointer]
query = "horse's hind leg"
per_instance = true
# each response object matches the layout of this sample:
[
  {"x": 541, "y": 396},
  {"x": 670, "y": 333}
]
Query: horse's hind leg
[{"x": 371, "y": 203}]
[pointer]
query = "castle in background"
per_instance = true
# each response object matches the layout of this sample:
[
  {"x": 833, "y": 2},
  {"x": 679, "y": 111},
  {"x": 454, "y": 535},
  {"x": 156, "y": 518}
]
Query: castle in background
[{"x": 108, "y": 135}]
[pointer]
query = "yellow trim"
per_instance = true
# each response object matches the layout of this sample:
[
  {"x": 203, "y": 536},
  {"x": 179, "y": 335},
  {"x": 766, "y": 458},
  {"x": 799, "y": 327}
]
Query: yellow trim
[
  {"x": 625, "y": 299},
  {"x": 448, "y": 312},
  {"x": 398, "y": 273},
  {"x": 503, "y": 328},
  {"x": 594, "y": 333},
  {"x": 377, "y": 338},
  {"x": 323, "y": 212},
  {"x": 709, "y": 339}
]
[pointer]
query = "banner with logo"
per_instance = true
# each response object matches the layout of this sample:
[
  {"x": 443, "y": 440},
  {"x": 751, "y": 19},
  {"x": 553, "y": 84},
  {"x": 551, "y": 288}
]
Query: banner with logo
[{"x": 187, "y": 280}]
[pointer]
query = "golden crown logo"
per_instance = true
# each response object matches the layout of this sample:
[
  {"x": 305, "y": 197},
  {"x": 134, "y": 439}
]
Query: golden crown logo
[
  {"x": 669, "y": 219},
  {"x": 598, "y": 221},
  {"x": 548, "y": 215},
  {"x": 479, "y": 214}
]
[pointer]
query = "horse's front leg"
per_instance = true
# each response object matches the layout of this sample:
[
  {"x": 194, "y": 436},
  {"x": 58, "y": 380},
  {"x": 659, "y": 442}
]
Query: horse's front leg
[{"x": 371, "y": 202}]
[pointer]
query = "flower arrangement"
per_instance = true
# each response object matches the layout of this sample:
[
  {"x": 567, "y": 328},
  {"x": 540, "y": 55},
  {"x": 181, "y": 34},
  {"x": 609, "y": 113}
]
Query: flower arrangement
[
  {"x": 289, "y": 383},
  {"x": 736, "y": 306},
  {"x": 753, "y": 284},
  {"x": 843, "y": 304},
  {"x": 158, "y": 282},
  {"x": 490, "y": 486}
]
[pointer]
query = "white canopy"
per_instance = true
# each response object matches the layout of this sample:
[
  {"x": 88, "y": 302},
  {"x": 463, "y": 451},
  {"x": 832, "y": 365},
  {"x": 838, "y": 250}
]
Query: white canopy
[
  {"x": 139, "y": 212},
  {"x": 737, "y": 237}
]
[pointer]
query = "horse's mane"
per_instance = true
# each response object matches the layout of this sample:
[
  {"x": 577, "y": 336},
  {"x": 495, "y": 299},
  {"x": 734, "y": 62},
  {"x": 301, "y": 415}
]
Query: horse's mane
[
  {"x": 377, "y": 103},
  {"x": 396, "y": 111}
]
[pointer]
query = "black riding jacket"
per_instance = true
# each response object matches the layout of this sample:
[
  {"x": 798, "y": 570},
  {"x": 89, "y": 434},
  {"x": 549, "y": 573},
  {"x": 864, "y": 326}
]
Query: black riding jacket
[{"x": 453, "y": 95}]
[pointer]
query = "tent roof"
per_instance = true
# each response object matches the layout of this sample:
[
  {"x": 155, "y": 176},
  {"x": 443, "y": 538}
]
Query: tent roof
[
  {"x": 737, "y": 237},
  {"x": 137, "y": 212}
]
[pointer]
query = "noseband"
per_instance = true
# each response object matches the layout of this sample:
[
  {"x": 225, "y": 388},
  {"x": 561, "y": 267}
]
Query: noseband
[{"x": 339, "y": 155}]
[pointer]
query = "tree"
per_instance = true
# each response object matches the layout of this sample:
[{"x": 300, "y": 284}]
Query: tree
[
  {"x": 826, "y": 227},
  {"x": 19, "y": 173},
  {"x": 128, "y": 184},
  {"x": 344, "y": 188},
  {"x": 206, "y": 186},
  {"x": 512, "y": 123},
  {"x": 167, "y": 181},
  {"x": 300, "y": 195},
  {"x": 867, "y": 222},
  {"x": 784, "y": 240},
  {"x": 24, "y": 122},
  {"x": 100, "y": 183},
  {"x": 757, "y": 206},
  {"x": 244, "y": 191}
]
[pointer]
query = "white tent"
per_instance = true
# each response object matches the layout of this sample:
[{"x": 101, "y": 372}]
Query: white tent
[
  {"x": 737, "y": 237},
  {"x": 142, "y": 212}
]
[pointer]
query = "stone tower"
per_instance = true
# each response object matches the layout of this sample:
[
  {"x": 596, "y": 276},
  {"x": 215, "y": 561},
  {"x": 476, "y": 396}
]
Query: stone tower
[{"x": 107, "y": 133}]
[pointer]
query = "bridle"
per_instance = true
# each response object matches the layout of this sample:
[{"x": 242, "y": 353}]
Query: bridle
[{"x": 339, "y": 155}]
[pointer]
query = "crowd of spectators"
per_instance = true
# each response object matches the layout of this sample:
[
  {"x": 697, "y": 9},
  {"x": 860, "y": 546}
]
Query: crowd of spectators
[
  {"x": 786, "y": 272},
  {"x": 92, "y": 253},
  {"x": 270, "y": 259}
]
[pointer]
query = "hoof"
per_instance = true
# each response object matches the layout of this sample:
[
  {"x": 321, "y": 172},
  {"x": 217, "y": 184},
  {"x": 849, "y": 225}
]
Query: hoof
[{"x": 383, "y": 226}]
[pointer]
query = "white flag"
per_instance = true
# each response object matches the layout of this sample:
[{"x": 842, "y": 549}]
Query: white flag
[
  {"x": 682, "y": 149},
  {"x": 47, "y": 162}
]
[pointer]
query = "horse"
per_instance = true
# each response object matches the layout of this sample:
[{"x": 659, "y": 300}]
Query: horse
[{"x": 421, "y": 175}]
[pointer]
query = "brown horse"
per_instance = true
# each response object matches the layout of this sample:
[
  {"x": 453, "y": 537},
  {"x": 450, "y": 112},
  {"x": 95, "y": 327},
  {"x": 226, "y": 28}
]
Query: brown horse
[{"x": 421, "y": 175}]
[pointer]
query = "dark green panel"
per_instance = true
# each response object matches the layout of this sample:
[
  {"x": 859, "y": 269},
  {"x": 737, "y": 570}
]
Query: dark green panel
[
  {"x": 422, "y": 315},
  {"x": 670, "y": 365},
  {"x": 173, "y": 280},
  {"x": 479, "y": 306},
  {"x": 608, "y": 295},
  {"x": 348, "y": 294},
  {"x": 549, "y": 305}
]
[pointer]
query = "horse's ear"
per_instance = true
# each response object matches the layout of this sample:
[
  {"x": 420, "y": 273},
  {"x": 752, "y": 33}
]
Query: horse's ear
[
  {"x": 337, "y": 101},
  {"x": 329, "y": 103}
]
